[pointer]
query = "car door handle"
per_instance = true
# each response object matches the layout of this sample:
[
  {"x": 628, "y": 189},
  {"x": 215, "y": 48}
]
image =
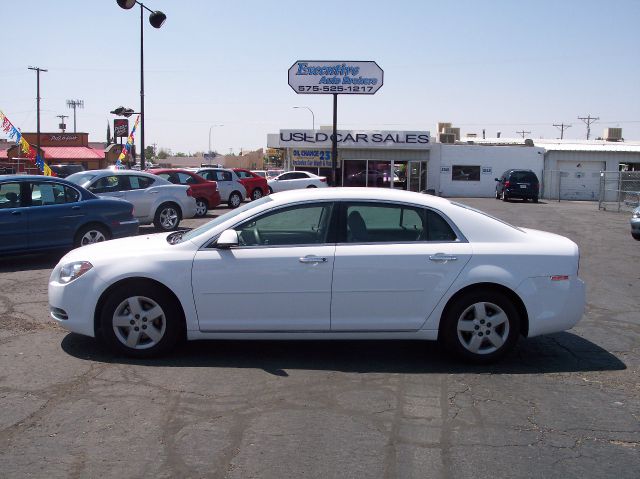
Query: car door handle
[
  {"x": 442, "y": 258},
  {"x": 16, "y": 213},
  {"x": 153, "y": 192},
  {"x": 75, "y": 208},
  {"x": 313, "y": 259}
]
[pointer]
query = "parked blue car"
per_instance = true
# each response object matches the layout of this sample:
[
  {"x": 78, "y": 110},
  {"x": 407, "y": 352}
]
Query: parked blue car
[{"x": 41, "y": 213}]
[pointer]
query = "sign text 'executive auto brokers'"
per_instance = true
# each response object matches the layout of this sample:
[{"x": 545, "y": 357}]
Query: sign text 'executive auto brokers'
[
  {"x": 411, "y": 140},
  {"x": 332, "y": 77}
]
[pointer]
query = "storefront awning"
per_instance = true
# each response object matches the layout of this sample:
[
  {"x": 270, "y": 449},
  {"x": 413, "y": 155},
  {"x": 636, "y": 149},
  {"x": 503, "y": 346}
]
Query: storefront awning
[{"x": 71, "y": 153}]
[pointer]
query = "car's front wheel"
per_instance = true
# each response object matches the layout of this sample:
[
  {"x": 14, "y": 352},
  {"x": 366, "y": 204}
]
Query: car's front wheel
[
  {"x": 140, "y": 321},
  {"x": 167, "y": 217},
  {"x": 481, "y": 326},
  {"x": 201, "y": 207}
]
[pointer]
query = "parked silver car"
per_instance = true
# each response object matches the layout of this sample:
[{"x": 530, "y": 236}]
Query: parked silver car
[
  {"x": 155, "y": 199},
  {"x": 229, "y": 186},
  {"x": 635, "y": 224}
]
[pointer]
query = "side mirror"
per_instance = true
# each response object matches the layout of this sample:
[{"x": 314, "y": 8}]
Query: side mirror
[
  {"x": 227, "y": 239},
  {"x": 497, "y": 179}
]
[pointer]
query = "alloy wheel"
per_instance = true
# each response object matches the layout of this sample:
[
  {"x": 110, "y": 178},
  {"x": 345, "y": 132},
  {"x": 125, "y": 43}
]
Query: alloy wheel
[
  {"x": 483, "y": 328},
  {"x": 92, "y": 236},
  {"x": 139, "y": 322}
]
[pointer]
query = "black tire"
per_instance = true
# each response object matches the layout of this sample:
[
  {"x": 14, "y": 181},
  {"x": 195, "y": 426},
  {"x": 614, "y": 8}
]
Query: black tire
[
  {"x": 270, "y": 190},
  {"x": 312, "y": 186},
  {"x": 167, "y": 217},
  {"x": 168, "y": 327},
  {"x": 535, "y": 199},
  {"x": 256, "y": 194},
  {"x": 201, "y": 207},
  {"x": 636, "y": 236},
  {"x": 235, "y": 199},
  {"x": 492, "y": 341},
  {"x": 92, "y": 233},
  {"x": 497, "y": 195},
  {"x": 504, "y": 196}
]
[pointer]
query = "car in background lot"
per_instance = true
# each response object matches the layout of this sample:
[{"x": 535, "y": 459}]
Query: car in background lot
[
  {"x": 204, "y": 191},
  {"x": 155, "y": 199},
  {"x": 42, "y": 213},
  {"x": 268, "y": 174},
  {"x": 255, "y": 185},
  {"x": 635, "y": 224},
  {"x": 522, "y": 184},
  {"x": 232, "y": 191},
  {"x": 62, "y": 171},
  {"x": 331, "y": 263},
  {"x": 293, "y": 180}
]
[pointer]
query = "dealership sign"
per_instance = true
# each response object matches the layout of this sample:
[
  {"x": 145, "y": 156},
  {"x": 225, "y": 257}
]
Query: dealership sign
[
  {"x": 335, "y": 77},
  {"x": 311, "y": 158},
  {"x": 318, "y": 139}
]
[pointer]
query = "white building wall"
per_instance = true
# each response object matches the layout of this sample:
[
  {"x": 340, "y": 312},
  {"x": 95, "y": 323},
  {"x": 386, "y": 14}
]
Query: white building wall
[{"x": 492, "y": 161}]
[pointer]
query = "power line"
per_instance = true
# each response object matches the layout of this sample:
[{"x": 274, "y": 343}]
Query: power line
[
  {"x": 562, "y": 127},
  {"x": 62, "y": 125},
  {"x": 588, "y": 120},
  {"x": 523, "y": 133}
]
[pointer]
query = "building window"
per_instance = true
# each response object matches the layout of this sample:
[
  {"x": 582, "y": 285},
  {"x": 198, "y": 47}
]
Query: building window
[{"x": 465, "y": 173}]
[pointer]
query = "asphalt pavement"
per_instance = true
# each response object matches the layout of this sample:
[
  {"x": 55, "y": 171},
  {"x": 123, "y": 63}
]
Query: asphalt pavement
[{"x": 564, "y": 405}]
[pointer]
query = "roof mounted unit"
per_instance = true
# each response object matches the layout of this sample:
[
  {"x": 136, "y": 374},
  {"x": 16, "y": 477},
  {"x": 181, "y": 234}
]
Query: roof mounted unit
[
  {"x": 447, "y": 138},
  {"x": 613, "y": 134}
]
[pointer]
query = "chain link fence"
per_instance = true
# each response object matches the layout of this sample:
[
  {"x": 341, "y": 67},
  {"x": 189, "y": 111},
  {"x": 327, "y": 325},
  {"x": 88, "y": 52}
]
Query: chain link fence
[{"x": 619, "y": 190}]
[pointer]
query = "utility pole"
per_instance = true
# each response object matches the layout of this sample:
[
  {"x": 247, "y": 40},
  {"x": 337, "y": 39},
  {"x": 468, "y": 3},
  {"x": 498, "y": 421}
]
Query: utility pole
[
  {"x": 75, "y": 104},
  {"x": 62, "y": 125},
  {"x": 561, "y": 127},
  {"x": 588, "y": 120},
  {"x": 38, "y": 70},
  {"x": 523, "y": 133}
]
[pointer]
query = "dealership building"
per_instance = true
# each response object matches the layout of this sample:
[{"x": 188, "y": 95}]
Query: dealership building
[{"x": 414, "y": 161}]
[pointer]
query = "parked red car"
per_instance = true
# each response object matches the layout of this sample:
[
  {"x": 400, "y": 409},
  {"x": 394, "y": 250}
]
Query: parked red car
[
  {"x": 255, "y": 185},
  {"x": 204, "y": 191}
]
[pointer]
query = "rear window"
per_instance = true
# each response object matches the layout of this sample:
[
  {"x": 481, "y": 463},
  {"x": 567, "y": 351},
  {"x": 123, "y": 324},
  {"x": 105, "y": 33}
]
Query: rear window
[
  {"x": 81, "y": 178},
  {"x": 523, "y": 177}
]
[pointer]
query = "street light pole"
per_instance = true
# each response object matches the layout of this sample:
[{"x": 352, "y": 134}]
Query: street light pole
[
  {"x": 156, "y": 19},
  {"x": 212, "y": 126},
  {"x": 313, "y": 117},
  {"x": 38, "y": 70}
]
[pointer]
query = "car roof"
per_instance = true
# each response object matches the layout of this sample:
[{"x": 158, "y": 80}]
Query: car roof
[
  {"x": 119, "y": 172},
  {"x": 354, "y": 193},
  {"x": 32, "y": 178}
]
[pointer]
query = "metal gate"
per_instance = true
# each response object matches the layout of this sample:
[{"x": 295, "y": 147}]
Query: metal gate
[{"x": 619, "y": 190}]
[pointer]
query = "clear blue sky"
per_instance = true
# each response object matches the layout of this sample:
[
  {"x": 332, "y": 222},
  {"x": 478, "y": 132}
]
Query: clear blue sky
[{"x": 499, "y": 65}]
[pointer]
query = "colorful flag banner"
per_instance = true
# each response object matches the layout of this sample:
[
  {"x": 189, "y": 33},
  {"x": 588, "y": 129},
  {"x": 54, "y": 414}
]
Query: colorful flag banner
[
  {"x": 126, "y": 149},
  {"x": 28, "y": 150}
]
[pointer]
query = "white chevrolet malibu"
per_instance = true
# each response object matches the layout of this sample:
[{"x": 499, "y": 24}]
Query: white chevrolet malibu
[{"x": 333, "y": 263}]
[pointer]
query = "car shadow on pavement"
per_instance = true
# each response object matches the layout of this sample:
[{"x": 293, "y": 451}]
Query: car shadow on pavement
[
  {"x": 561, "y": 352},
  {"x": 30, "y": 262}
]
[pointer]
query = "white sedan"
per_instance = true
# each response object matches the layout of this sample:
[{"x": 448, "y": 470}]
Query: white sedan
[
  {"x": 293, "y": 180},
  {"x": 155, "y": 200},
  {"x": 336, "y": 263}
]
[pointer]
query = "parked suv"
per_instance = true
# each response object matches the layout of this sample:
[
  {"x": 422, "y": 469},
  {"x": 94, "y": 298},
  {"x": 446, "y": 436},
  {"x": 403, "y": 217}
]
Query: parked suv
[{"x": 518, "y": 184}]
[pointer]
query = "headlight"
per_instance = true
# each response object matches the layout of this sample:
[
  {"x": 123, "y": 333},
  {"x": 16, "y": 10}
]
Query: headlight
[
  {"x": 636, "y": 214},
  {"x": 71, "y": 271}
]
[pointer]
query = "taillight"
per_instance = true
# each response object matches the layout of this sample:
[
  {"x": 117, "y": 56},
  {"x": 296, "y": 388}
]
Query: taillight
[
  {"x": 189, "y": 192},
  {"x": 323, "y": 180},
  {"x": 507, "y": 184}
]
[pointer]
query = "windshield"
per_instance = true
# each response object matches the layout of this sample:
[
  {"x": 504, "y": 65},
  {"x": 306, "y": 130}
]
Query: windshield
[
  {"x": 81, "y": 178},
  {"x": 219, "y": 220}
]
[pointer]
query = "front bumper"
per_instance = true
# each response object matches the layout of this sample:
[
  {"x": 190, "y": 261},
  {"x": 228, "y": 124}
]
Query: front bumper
[{"x": 72, "y": 305}]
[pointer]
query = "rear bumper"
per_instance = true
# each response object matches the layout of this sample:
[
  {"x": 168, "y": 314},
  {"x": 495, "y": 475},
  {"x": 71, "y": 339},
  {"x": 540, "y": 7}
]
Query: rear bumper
[
  {"x": 125, "y": 228},
  {"x": 516, "y": 193},
  {"x": 552, "y": 306}
]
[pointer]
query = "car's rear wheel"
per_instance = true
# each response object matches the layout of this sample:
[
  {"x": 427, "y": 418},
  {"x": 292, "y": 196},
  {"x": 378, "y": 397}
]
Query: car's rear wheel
[
  {"x": 535, "y": 199},
  {"x": 312, "y": 186},
  {"x": 270, "y": 190},
  {"x": 497, "y": 195},
  {"x": 504, "y": 196},
  {"x": 167, "y": 217},
  {"x": 91, "y": 234},
  {"x": 481, "y": 326},
  {"x": 234, "y": 200},
  {"x": 636, "y": 236},
  {"x": 256, "y": 194},
  {"x": 138, "y": 320},
  {"x": 201, "y": 207}
]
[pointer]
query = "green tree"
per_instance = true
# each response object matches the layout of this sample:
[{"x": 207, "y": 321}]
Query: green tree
[
  {"x": 163, "y": 154},
  {"x": 148, "y": 152}
]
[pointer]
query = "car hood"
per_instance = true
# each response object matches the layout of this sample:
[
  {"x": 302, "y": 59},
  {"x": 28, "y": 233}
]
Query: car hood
[{"x": 119, "y": 249}]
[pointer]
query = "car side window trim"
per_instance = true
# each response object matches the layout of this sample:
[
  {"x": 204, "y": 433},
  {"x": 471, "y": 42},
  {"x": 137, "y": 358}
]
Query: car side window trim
[
  {"x": 342, "y": 236},
  {"x": 330, "y": 237}
]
